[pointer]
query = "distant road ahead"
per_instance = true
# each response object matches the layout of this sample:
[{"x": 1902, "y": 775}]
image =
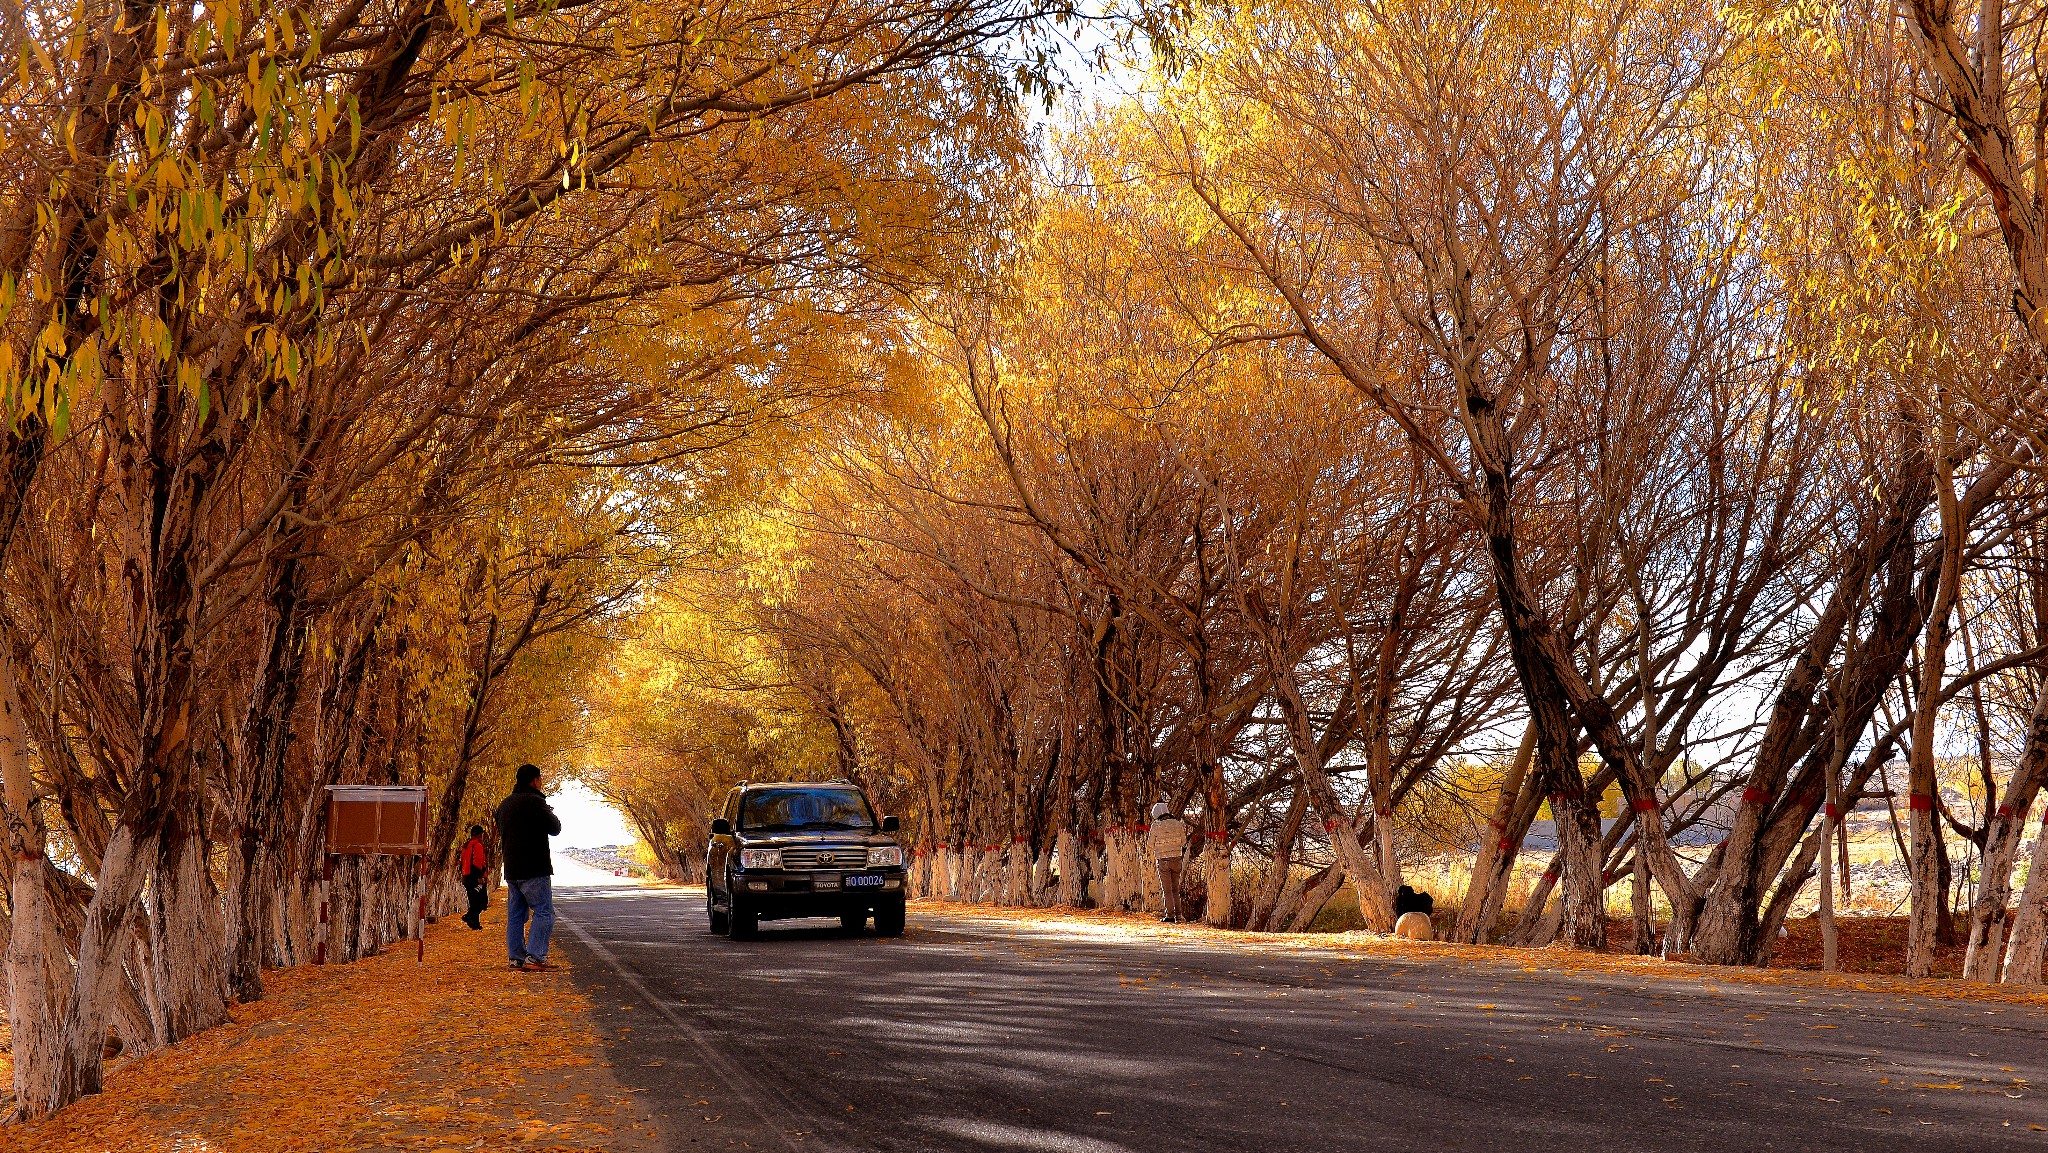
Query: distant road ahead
[{"x": 979, "y": 1034}]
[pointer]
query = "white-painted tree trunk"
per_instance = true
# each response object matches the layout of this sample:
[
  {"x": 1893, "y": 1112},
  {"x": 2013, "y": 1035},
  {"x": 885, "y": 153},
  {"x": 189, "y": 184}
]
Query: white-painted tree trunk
[
  {"x": 1126, "y": 862},
  {"x": 1109, "y": 874},
  {"x": 1828, "y": 939},
  {"x": 1017, "y": 884},
  {"x": 1218, "y": 900},
  {"x": 1990, "y": 913},
  {"x": 38, "y": 967},
  {"x": 1073, "y": 878},
  {"x": 2030, "y": 921},
  {"x": 189, "y": 951},
  {"x": 996, "y": 868},
  {"x": 949, "y": 873},
  {"x": 76, "y": 1067}
]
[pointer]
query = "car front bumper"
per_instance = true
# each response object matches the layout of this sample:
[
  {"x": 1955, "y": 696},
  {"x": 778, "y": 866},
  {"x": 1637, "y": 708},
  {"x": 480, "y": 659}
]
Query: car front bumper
[{"x": 773, "y": 893}]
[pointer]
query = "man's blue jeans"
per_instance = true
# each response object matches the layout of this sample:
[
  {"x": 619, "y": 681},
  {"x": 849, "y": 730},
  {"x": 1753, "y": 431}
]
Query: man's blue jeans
[{"x": 535, "y": 898}]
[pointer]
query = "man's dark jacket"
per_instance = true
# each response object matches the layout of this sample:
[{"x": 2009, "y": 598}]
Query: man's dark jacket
[{"x": 525, "y": 822}]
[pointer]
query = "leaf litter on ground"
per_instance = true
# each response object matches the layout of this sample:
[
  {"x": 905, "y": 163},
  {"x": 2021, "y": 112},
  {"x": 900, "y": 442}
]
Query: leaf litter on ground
[{"x": 382, "y": 1056}]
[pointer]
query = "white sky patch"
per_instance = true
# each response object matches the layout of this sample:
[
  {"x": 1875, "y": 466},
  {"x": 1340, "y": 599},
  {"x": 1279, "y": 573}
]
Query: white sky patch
[{"x": 587, "y": 821}]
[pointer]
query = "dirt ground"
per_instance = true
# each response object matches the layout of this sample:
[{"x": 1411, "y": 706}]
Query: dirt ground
[{"x": 383, "y": 1056}]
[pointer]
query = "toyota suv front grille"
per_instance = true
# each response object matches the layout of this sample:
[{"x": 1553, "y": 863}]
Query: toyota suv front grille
[{"x": 826, "y": 857}]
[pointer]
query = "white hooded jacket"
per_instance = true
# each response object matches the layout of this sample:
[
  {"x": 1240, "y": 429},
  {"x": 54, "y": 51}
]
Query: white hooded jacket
[{"x": 1168, "y": 836}]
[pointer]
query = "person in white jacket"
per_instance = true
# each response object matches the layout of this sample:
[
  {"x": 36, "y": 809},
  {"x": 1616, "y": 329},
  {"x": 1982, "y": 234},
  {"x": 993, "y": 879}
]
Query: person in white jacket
[{"x": 1165, "y": 843}]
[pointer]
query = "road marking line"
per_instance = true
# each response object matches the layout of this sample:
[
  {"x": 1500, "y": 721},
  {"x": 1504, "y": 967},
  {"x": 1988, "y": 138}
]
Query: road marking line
[{"x": 749, "y": 1089}]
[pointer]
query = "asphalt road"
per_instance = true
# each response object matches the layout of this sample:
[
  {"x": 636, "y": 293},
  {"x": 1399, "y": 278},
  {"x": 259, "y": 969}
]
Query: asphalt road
[{"x": 978, "y": 1034}]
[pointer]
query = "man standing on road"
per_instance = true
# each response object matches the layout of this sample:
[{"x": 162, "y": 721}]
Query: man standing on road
[
  {"x": 1165, "y": 843},
  {"x": 525, "y": 822},
  {"x": 476, "y": 860}
]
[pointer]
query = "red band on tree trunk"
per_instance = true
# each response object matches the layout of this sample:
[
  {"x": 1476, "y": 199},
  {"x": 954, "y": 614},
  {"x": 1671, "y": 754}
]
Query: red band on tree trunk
[
  {"x": 1646, "y": 804},
  {"x": 1918, "y": 801},
  {"x": 1751, "y": 795},
  {"x": 2005, "y": 812},
  {"x": 1833, "y": 813},
  {"x": 1506, "y": 845}
]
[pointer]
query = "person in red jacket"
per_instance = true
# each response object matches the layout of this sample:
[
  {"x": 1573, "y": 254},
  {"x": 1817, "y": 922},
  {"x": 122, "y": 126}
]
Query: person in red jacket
[{"x": 476, "y": 865}]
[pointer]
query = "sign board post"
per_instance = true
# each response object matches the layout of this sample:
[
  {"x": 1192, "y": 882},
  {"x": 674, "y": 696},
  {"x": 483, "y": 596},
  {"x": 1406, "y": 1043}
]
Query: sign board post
[{"x": 376, "y": 821}]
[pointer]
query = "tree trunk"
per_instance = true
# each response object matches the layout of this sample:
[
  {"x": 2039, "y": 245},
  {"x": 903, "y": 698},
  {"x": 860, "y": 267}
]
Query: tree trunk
[
  {"x": 1126, "y": 887},
  {"x": 1829, "y": 942},
  {"x": 188, "y": 950},
  {"x": 1639, "y": 902},
  {"x": 1583, "y": 874},
  {"x": 1017, "y": 884},
  {"x": 1989, "y": 912},
  {"x": 1217, "y": 898},
  {"x": 1314, "y": 895},
  {"x": 38, "y": 967},
  {"x": 1498, "y": 843},
  {"x": 1283, "y": 857},
  {"x": 75, "y": 1066},
  {"x": 266, "y": 739},
  {"x": 1073, "y": 885},
  {"x": 2030, "y": 920},
  {"x": 1368, "y": 883},
  {"x": 1926, "y": 889}
]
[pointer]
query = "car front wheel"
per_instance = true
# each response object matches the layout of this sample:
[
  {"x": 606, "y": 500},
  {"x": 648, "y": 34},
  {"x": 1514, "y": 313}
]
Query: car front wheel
[
  {"x": 889, "y": 919},
  {"x": 745, "y": 922},
  {"x": 719, "y": 922}
]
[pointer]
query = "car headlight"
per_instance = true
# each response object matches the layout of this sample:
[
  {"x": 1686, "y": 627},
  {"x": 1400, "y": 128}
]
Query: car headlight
[
  {"x": 760, "y": 858},
  {"x": 885, "y": 855}
]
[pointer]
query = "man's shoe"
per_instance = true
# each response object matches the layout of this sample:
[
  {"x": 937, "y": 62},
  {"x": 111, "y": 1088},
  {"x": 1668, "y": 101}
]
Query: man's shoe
[
  {"x": 541, "y": 967},
  {"x": 516, "y": 966}
]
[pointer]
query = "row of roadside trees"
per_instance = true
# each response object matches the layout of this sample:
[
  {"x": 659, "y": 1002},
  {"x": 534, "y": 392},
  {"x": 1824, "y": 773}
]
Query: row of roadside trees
[{"x": 1409, "y": 419}]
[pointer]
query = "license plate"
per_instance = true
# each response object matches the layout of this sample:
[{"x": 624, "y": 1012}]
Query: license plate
[
  {"x": 864, "y": 882},
  {"x": 823, "y": 883}
]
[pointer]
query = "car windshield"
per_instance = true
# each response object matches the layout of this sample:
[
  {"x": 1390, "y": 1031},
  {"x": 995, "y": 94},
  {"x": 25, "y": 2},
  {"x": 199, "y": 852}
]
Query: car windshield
[{"x": 804, "y": 808}]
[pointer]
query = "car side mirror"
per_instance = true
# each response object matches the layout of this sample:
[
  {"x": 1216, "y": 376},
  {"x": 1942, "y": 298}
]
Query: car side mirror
[
  {"x": 891, "y": 824},
  {"x": 720, "y": 827}
]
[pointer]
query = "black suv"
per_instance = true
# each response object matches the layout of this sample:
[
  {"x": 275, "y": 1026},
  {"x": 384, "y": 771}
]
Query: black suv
[{"x": 799, "y": 849}]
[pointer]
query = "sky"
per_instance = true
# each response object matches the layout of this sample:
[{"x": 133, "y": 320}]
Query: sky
[{"x": 587, "y": 822}]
